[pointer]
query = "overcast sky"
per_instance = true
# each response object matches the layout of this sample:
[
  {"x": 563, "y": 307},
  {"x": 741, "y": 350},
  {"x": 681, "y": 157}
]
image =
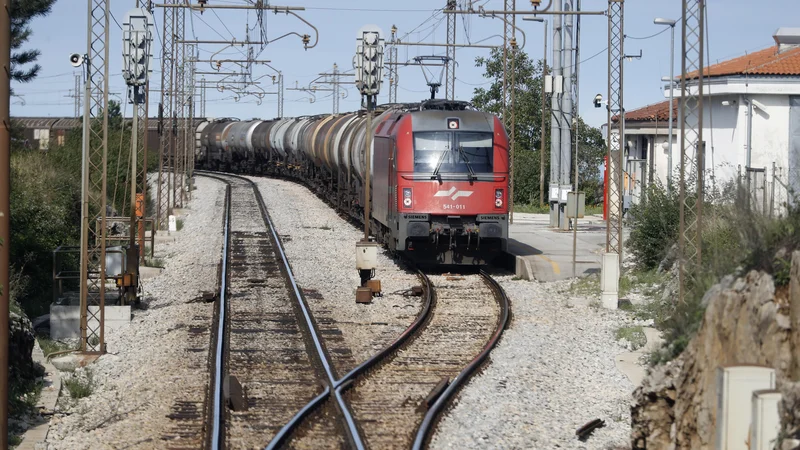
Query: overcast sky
[{"x": 735, "y": 27}]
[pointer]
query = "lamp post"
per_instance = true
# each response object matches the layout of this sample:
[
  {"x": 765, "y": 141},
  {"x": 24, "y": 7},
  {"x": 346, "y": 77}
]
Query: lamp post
[
  {"x": 544, "y": 75},
  {"x": 670, "y": 23}
]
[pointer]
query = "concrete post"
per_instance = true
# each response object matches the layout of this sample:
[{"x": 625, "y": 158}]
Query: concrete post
[
  {"x": 555, "y": 126},
  {"x": 564, "y": 185}
]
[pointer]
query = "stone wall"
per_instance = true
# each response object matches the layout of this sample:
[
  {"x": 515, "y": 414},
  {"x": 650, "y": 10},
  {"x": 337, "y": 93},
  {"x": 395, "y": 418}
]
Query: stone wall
[{"x": 744, "y": 323}]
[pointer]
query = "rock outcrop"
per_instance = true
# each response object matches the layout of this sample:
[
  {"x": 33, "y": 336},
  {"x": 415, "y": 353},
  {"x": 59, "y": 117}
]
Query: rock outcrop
[
  {"x": 21, "y": 342},
  {"x": 652, "y": 413},
  {"x": 742, "y": 324}
]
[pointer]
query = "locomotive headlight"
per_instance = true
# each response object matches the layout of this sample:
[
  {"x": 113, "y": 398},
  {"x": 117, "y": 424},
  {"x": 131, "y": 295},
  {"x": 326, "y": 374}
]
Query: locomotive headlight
[
  {"x": 498, "y": 198},
  {"x": 407, "y": 197}
]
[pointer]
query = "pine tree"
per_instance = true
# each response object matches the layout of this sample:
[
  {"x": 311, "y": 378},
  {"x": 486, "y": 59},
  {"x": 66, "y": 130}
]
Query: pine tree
[{"x": 22, "y": 12}]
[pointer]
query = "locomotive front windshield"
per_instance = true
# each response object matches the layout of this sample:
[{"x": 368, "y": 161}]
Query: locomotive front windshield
[{"x": 453, "y": 152}]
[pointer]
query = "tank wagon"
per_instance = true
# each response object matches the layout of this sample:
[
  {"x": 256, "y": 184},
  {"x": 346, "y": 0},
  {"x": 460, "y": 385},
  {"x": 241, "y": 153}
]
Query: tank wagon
[{"x": 439, "y": 172}]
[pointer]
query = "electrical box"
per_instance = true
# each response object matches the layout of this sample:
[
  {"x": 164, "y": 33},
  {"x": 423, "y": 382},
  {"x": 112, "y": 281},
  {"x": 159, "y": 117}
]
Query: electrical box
[
  {"x": 576, "y": 205},
  {"x": 558, "y": 85},
  {"x": 366, "y": 255},
  {"x": 735, "y": 387},
  {"x": 173, "y": 224},
  {"x": 553, "y": 198},
  {"x": 563, "y": 193},
  {"x": 115, "y": 261},
  {"x": 548, "y": 84},
  {"x": 766, "y": 423}
]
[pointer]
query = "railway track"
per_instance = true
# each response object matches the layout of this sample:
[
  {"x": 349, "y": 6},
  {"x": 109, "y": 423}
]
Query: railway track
[
  {"x": 395, "y": 398},
  {"x": 273, "y": 379},
  {"x": 269, "y": 359}
]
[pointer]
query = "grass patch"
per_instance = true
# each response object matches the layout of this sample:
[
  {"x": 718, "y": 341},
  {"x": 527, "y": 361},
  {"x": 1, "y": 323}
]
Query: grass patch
[
  {"x": 646, "y": 282},
  {"x": 634, "y": 335},
  {"x": 79, "y": 387},
  {"x": 586, "y": 286},
  {"x": 23, "y": 396},
  {"x": 154, "y": 262},
  {"x": 50, "y": 346},
  {"x": 532, "y": 208},
  {"x": 179, "y": 224}
]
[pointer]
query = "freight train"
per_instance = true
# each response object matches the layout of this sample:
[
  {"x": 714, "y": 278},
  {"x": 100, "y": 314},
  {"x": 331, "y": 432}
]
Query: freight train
[{"x": 439, "y": 172}]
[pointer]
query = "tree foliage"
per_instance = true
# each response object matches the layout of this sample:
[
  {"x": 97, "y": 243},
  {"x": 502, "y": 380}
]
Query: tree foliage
[
  {"x": 22, "y": 12},
  {"x": 529, "y": 83}
]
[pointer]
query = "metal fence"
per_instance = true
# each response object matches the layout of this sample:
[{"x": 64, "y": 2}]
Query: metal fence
[{"x": 765, "y": 190}]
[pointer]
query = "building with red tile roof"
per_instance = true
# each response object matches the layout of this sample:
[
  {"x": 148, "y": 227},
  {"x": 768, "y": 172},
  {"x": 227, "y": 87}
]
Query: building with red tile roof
[{"x": 751, "y": 123}]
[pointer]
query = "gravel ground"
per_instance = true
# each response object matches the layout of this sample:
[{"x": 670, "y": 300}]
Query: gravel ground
[
  {"x": 148, "y": 367},
  {"x": 552, "y": 372},
  {"x": 321, "y": 248}
]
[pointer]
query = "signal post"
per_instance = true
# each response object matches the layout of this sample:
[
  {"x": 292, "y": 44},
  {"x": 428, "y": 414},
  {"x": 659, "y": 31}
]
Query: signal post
[
  {"x": 137, "y": 42},
  {"x": 368, "y": 67}
]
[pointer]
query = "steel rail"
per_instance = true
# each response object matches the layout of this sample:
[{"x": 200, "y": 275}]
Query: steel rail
[
  {"x": 216, "y": 434},
  {"x": 345, "y": 382},
  {"x": 431, "y": 417},
  {"x": 352, "y": 429}
]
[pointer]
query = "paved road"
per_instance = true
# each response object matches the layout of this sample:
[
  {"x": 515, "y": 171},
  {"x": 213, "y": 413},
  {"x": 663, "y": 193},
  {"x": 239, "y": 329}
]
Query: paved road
[{"x": 549, "y": 251}]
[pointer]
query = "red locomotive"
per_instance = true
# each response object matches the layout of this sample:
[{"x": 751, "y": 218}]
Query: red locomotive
[{"x": 439, "y": 172}]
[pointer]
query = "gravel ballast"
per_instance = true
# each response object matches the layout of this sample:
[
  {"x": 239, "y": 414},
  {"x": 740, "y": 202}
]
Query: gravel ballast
[
  {"x": 148, "y": 367},
  {"x": 320, "y": 246},
  {"x": 552, "y": 372}
]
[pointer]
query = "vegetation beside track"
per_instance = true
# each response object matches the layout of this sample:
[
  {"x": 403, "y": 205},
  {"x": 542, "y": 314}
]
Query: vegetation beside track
[{"x": 734, "y": 241}]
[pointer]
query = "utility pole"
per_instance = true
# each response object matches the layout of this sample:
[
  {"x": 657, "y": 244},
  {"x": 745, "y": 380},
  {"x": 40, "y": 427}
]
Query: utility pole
[
  {"x": 612, "y": 258},
  {"x": 391, "y": 63},
  {"x": 450, "y": 77},
  {"x": 557, "y": 116},
  {"x": 576, "y": 114},
  {"x": 335, "y": 89},
  {"x": 509, "y": 93},
  {"x": 564, "y": 182},
  {"x": 189, "y": 126},
  {"x": 280, "y": 94},
  {"x": 691, "y": 116},
  {"x": 278, "y": 79},
  {"x": 203, "y": 97},
  {"x": 5, "y": 210},
  {"x": 544, "y": 117},
  {"x": 165, "y": 116},
  {"x": 179, "y": 152},
  {"x": 93, "y": 203},
  {"x": 76, "y": 95},
  {"x": 328, "y": 78}
]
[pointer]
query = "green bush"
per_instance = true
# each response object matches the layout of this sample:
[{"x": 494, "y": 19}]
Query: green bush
[
  {"x": 654, "y": 228},
  {"x": 79, "y": 387},
  {"x": 45, "y": 205}
]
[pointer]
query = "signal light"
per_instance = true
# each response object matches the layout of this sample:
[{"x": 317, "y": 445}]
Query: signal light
[{"x": 407, "y": 197}]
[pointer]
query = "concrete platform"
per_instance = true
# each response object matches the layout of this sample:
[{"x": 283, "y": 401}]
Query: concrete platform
[
  {"x": 35, "y": 437},
  {"x": 630, "y": 363},
  {"x": 545, "y": 254}
]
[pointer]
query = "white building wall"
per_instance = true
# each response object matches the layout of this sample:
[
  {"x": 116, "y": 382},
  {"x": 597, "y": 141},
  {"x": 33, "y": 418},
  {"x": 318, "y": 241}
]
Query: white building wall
[{"x": 725, "y": 134}]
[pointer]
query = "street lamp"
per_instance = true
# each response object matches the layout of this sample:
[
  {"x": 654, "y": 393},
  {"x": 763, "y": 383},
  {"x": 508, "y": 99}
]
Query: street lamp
[
  {"x": 670, "y": 23},
  {"x": 544, "y": 77}
]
